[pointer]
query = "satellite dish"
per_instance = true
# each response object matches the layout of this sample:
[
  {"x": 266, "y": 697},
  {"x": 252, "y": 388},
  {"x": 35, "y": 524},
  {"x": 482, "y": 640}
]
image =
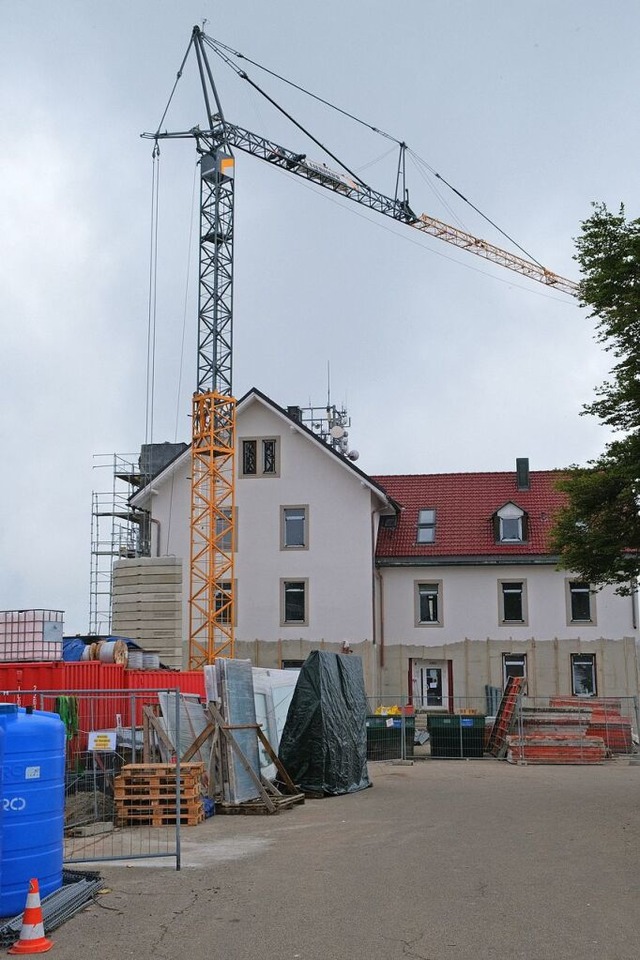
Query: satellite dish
[
  {"x": 337, "y": 431},
  {"x": 353, "y": 455}
]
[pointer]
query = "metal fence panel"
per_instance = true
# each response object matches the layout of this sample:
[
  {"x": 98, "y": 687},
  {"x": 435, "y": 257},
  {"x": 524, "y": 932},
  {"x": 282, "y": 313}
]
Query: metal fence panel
[
  {"x": 559, "y": 729},
  {"x": 572, "y": 730},
  {"x": 127, "y": 794}
]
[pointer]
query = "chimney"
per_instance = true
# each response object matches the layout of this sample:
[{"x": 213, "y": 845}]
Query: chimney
[
  {"x": 522, "y": 473},
  {"x": 295, "y": 413}
]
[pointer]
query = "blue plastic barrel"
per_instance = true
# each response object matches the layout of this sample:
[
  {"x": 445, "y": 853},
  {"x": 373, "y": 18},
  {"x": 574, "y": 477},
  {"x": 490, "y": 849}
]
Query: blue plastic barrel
[{"x": 32, "y": 804}]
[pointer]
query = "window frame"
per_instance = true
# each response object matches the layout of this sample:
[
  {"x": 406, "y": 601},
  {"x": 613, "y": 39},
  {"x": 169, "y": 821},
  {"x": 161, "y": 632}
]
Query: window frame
[
  {"x": 304, "y": 507},
  {"x": 439, "y": 621},
  {"x": 283, "y": 602},
  {"x": 592, "y": 619},
  {"x": 574, "y": 657},
  {"x": 513, "y": 657},
  {"x": 233, "y": 589},
  {"x": 426, "y": 526},
  {"x": 510, "y": 512},
  {"x": 524, "y": 602},
  {"x": 233, "y": 546},
  {"x": 260, "y": 472}
]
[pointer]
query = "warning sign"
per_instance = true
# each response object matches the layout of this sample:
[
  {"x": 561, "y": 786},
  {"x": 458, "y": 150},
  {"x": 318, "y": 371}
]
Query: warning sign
[{"x": 102, "y": 740}]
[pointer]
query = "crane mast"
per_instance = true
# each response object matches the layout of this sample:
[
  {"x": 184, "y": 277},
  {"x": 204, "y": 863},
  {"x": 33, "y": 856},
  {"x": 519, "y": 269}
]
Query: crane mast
[
  {"x": 213, "y": 450},
  {"x": 213, "y": 447}
]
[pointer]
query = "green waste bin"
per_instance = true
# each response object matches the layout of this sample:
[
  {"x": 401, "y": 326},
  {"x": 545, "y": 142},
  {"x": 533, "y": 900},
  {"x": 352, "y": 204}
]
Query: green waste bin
[
  {"x": 454, "y": 737},
  {"x": 384, "y": 737}
]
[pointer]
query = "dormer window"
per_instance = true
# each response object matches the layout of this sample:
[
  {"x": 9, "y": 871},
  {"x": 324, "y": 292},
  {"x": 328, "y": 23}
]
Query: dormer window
[
  {"x": 510, "y": 524},
  {"x": 426, "y": 532}
]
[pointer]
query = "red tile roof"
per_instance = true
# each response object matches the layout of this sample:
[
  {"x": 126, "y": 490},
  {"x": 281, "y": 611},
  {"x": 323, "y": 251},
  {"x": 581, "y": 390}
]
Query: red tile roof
[{"x": 465, "y": 504}]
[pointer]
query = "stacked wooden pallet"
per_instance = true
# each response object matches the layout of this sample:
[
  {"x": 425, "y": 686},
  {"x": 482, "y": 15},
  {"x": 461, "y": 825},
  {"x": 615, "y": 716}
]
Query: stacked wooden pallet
[{"x": 147, "y": 793}]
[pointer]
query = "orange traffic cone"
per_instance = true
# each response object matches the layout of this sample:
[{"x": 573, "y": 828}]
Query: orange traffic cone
[{"x": 32, "y": 938}]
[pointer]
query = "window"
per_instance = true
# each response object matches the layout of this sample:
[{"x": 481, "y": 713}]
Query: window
[
  {"x": 223, "y": 602},
  {"x": 293, "y": 528},
  {"x": 510, "y": 524},
  {"x": 269, "y": 456},
  {"x": 428, "y": 604},
  {"x": 291, "y": 664},
  {"x": 260, "y": 457},
  {"x": 294, "y": 602},
  {"x": 581, "y": 603},
  {"x": 583, "y": 674},
  {"x": 513, "y": 665},
  {"x": 513, "y": 601},
  {"x": 426, "y": 526},
  {"x": 388, "y": 521},
  {"x": 225, "y": 538}
]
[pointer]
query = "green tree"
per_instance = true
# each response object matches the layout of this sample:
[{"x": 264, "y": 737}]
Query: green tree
[{"x": 597, "y": 535}]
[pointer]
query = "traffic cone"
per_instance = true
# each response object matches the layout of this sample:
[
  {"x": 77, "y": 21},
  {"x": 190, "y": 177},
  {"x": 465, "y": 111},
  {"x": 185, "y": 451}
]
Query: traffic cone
[{"x": 32, "y": 938}]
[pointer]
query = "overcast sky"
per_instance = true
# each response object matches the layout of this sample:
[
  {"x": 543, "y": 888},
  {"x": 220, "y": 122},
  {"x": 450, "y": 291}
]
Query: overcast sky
[{"x": 445, "y": 362}]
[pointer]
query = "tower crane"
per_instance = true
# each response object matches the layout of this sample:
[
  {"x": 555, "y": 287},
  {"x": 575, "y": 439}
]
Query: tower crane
[{"x": 213, "y": 449}]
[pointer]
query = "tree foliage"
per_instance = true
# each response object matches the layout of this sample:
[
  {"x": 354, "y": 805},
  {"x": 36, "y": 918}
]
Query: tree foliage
[{"x": 597, "y": 535}]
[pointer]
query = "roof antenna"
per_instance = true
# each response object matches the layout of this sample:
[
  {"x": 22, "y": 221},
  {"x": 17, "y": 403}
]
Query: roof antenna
[{"x": 328, "y": 384}]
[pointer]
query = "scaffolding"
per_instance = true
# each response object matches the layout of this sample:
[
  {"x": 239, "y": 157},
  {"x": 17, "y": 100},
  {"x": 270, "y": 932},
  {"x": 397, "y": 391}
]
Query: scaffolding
[{"x": 118, "y": 531}]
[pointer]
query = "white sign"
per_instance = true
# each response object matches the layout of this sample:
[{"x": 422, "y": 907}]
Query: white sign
[{"x": 102, "y": 740}]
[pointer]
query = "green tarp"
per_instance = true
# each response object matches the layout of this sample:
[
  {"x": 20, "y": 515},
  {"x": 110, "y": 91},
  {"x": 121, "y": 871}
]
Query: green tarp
[{"x": 324, "y": 742}]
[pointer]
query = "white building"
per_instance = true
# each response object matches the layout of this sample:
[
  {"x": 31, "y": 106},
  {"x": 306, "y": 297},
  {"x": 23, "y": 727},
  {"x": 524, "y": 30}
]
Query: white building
[{"x": 442, "y": 583}]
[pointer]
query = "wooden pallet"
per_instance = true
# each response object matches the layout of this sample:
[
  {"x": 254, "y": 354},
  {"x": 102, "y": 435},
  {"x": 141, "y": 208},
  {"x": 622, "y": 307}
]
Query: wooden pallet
[
  {"x": 159, "y": 818},
  {"x": 144, "y": 772},
  {"x": 123, "y": 791},
  {"x": 253, "y": 807},
  {"x": 145, "y": 793}
]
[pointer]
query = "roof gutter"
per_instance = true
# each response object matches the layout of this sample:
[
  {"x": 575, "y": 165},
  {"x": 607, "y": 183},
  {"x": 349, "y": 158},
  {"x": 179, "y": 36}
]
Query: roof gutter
[{"x": 538, "y": 561}]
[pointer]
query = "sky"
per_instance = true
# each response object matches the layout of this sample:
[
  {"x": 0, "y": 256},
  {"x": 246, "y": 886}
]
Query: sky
[{"x": 444, "y": 362}]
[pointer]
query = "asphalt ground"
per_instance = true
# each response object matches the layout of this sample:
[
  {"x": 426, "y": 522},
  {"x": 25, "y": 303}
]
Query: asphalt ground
[{"x": 442, "y": 860}]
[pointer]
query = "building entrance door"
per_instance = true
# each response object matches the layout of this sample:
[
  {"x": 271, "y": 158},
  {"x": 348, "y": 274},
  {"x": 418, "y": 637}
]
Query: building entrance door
[{"x": 430, "y": 684}]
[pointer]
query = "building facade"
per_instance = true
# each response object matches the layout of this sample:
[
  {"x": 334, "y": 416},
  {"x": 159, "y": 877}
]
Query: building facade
[{"x": 443, "y": 584}]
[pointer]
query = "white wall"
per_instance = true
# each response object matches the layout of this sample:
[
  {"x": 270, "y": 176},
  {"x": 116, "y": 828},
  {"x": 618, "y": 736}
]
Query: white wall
[
  {"x": 338, "y": 562},
  {"x": 471, "y": 606}
]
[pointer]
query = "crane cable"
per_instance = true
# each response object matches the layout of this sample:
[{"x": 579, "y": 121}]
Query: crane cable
[
  {"x": 457, "y": 192},
  {"x": 182, "y": 344},
  {"x": 245, "y": 76},
  {"x": 153, "y": 294},
  {"x": 217, "y": 46},
  {"x": 175, "y": 84}
]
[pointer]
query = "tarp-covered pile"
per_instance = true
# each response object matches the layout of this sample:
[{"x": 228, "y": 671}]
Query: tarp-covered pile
[{"x": 324, "y": 741}]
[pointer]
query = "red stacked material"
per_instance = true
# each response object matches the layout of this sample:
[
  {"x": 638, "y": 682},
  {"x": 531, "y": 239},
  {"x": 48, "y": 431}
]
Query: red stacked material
[
  {"x": 555, "y": 748},
  {"x": 566, "y": 722},
  {"x": 608, "y": 704},
  {"x": 606, "y": 720}
]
